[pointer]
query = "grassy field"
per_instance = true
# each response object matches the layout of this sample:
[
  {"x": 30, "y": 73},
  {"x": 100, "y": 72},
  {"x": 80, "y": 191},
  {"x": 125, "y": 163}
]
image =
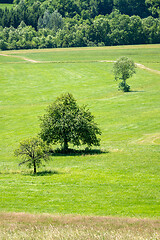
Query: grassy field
[
  {"x": 146, "y": 54},
  {"x": 123, "y": 181}
]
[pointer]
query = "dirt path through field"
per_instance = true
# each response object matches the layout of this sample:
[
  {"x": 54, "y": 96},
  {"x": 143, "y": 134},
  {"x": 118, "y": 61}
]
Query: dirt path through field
[
  {"x": 146, "y": 68},
  {"x": 23, "y": 58},
  {"x": 138, "y": 65},
  {"x": 108, "y": 61}
]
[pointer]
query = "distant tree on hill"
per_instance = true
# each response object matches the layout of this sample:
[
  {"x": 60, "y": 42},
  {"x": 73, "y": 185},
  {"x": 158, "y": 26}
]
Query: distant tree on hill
[
  {"x": 65, "y": 122},
  {"x": 123, "y": 69},
  {"x": 51, "y": 21},
  {"x": 33, "y": 151}
]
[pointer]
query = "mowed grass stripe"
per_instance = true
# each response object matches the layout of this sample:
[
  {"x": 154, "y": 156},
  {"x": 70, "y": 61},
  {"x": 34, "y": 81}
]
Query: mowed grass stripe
[
  {"x": 145, "y": 46},
  {"x": 84, "y": 61},
  {"x": 140, "y": 51},
  {"x": 139, "y": 54}
]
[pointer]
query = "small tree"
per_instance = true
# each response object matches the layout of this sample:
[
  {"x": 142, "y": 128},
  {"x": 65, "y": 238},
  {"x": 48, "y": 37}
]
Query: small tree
[
  {"x": 65, "y": 122},
  {"x": 32, "y": 151},
  {"x": 123, "y": 69}
]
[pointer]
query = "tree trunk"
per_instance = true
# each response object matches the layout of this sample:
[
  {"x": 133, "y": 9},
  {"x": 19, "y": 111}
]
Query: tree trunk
[
  {"x": 34, "y": 164},
  {"x": 65, "y": 145}
]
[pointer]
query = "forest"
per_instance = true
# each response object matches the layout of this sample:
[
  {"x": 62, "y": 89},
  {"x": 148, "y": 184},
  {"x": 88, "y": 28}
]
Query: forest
[{"x": 78, "y": 23}]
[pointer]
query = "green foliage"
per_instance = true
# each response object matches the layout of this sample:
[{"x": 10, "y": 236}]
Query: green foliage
[
  {"x": 65, "y": 122},
  {"x": 132, "y": 7},
  {"x": 3, "y": 45},
  {"x": 6, "y": 1},
  {"x": 55, "y": 31},
  {"x": 33, "y": 151},
  {"x": 124, "y": 86},
  {"x": 154, "y": 7},
  {"x": 5, "y": 5},
  {"x": 51, "y": 21},
  {"x": 123, "y": 69}
]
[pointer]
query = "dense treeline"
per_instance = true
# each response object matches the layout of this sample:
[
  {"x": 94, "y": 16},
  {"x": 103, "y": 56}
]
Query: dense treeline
[
  {"x": 6, "y": 1},
  {"x": 92, "y": 8},
  {"x": 113, "y": 29},
  {"x": 78, "y": 23},
  {"x": 30, "y": 11}
]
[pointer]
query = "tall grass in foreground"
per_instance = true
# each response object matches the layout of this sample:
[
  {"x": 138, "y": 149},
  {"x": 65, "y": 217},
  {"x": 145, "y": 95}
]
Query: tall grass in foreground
[{"x": 25, "y": 226}]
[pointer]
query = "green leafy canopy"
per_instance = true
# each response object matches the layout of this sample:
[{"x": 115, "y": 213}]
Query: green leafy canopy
[
  {"x": 32, "y": 151},
  {"x": 65, "y": 122},
  {"x": 123, "y": 69}
]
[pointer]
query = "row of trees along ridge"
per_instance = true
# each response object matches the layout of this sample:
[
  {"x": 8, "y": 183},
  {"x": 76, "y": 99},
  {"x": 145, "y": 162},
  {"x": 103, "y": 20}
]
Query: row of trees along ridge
[{"x": 60, "y": 23}]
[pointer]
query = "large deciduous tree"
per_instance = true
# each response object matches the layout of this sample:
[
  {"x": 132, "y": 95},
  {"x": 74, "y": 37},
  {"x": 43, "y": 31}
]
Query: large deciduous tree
[
  {"x": 65, "y": 122},
  {"x": 123, "y": 69},
  {"x": 33, "y": 151}
]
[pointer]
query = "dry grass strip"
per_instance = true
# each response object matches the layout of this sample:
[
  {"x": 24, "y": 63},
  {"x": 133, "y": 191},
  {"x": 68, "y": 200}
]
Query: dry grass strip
[{"x": 68, "y": 227}]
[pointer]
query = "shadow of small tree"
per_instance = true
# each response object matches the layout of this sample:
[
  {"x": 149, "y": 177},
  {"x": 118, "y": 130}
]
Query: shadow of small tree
[
  {"x": 75, "y": 152},
  {"x": 46, "y": 173},
  {"x": 43, "y": 173},
  {"x": 132, "y": 91}
]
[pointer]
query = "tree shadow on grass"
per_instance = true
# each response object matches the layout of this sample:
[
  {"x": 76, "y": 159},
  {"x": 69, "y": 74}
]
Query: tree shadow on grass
[
  {"x": 43, "y": 173},
  {"x": 46, "y": 173},
  {"x": 132, "y": 91},
  {"x": 73, "y": 152}
]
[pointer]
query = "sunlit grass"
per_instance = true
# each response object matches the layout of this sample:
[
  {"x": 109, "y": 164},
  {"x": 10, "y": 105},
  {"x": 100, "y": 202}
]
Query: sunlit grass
[
  {"x": 140, "y": 53},
  {"x": 123, "y": 181}
]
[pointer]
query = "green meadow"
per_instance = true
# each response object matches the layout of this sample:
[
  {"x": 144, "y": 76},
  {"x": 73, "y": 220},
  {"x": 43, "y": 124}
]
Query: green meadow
[{"x": 122, "y": 181}]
